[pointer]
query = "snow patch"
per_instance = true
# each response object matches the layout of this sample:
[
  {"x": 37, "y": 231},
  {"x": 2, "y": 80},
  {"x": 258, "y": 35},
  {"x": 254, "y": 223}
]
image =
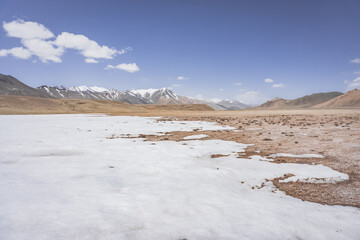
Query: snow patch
[{"x": 195, "y": 137}]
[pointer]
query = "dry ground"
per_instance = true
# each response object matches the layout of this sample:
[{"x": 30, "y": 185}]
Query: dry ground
[
  {"x": 33, "y": 105},
  {"x": 333, "y": 133}
]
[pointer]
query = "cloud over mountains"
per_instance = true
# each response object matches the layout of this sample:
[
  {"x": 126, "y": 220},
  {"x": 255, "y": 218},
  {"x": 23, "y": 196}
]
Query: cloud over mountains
[{"x": 128, "y": 67}]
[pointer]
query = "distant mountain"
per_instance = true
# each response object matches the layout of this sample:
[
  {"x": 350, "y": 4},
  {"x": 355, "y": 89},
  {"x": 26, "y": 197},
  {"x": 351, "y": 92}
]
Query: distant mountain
[
  {"x": 231, "y": 104},
  {"x": 276, "y": 103},
  {"x": 139, "y": 96},
  {"x": 314, "y": 99},
  {"x": 302, "y": 102},
  {"x": 11, "y": 86},
  {"x": 350, "y": 99},
  {"x": 89, "y": 89},
  {"x": 158, "y": 96},
  {"x": 97, "y": 93},
  {"x": 167, "y": 96}
]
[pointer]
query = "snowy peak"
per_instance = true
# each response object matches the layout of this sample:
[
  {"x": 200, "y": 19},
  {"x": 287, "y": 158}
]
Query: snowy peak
[
  {"x": 145, "y": 92},
  {"x": 138, "y": 96},
  {"x": 90, "y": 89},
  {"x": 166, "y": 93},
  {"x": 156, "y": 95},
  {"x": 231, "y": 104},
  {"x": 98, "y": 93}
]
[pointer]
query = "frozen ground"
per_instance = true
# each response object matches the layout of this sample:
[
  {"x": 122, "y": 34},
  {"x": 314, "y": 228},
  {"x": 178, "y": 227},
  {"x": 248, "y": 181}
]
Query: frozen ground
[{"x": 64, "y": 177}]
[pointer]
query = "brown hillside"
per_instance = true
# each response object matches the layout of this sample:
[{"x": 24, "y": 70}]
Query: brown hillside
[
  {"x": 33, "y": 105},
  {"x": 301, "y": 102},
  {"x": 11, "y": 86},
  {"x": 276, "y": 103},
  {"x": 350, "y": 99},
  {"x": 313, "y": 99}
]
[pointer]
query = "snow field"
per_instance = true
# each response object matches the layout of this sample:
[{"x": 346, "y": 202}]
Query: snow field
[{"x": 62, "y": 178}]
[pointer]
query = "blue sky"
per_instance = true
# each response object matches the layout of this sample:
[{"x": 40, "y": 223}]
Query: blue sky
[{"x": 222, "y": 49}]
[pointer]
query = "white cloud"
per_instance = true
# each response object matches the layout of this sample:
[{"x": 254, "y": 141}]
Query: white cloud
[
  {"x": 356, "y": 72},
  {"x": 221, "y": 89},
  {"x": 353, "y": 84},
  {"x": 123, "y": 51},
  {"x": 45, "y": 50},
  {"x": 27, "y": 30},
  {"x": 251, "y": 98},
  {"x": 17, "y": 52},
  {"x": 237, "y": 83},
  {"x": 182, "y": 78},
  {"x": 176, "y": 85},
  {"x": 278, "y": 85},
  {"x": 87, "y": 47},
  {"x": 90, "y": 60},
  {"x": 356, "y": 60},
  {"x": 37, "y": 40},
  {"x": 128, "y": 67},
  {"x": 268, "y": 80}
]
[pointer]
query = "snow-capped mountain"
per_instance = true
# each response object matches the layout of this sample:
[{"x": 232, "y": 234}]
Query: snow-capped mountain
[
  {"x": 90, "y": 89},
  {"x": 98, "y": 93},
  {"x": 158, "y": 96},
  {"x": 138, "y": 96},
  {"x": 231, "y": 104}
]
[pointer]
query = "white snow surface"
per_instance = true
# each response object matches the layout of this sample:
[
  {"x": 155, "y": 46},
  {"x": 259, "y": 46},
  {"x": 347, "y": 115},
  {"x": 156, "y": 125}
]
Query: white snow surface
[
  {"x": 191, "y": 137},
  {"x": 62, "y": 178}
]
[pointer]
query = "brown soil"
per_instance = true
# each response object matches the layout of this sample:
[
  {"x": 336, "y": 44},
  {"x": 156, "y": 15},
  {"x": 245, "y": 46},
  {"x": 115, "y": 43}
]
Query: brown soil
[
  {"x": 334, "y": 134},
  {"x": 33, "y": 105},
  {"x": 219, "y": 155}
]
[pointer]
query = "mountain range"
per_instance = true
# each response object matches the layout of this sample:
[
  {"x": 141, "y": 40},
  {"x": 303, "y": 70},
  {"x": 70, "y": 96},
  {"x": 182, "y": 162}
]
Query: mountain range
[
  {"x": 140, "y": 96},
  {"x": 307, "y": 101},
  {"x": 12, "y": 86}
]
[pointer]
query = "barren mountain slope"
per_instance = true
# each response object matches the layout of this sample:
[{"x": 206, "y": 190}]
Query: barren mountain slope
[
  {"x": 350, "y": 99},
  {"x": 276, "y": 103},
  {"x": 11, "y": 86}
]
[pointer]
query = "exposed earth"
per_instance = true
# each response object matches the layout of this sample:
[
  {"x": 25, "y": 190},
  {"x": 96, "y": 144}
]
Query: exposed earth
[{"x": 335, "y": 134}]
